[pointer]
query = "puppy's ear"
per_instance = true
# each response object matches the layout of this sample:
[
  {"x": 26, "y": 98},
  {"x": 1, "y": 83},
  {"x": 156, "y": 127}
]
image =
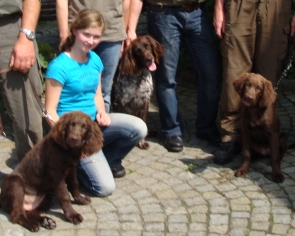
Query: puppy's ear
[
  {"x": 157, "y": 48},
  {"x": 239, "y": 83},
  {"x": 268, "y": 96},
  {"x": 127, "y": 64},
  {"x": 94, "y": 139},
  {"x": 58, "y": 131}
]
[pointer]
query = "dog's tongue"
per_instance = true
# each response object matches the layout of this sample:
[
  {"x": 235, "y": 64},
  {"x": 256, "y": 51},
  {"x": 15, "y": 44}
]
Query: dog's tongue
[{"x": 152, "y": 66}]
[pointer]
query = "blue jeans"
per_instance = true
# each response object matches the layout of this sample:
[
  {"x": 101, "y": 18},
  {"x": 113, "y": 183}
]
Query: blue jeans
[
  {"x": 172, "y": 26},
  {"x": 124, "y": 132},
  {"x": 109, "y": 53}
]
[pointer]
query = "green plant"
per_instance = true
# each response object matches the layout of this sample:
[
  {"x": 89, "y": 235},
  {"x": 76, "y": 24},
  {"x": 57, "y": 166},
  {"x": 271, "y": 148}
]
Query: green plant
[
  {"x": 46, "y": 54},
  {"x": 190, "y": 167}
]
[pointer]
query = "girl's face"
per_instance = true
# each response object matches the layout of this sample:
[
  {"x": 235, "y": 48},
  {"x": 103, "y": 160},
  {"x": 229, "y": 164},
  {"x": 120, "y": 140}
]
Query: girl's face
[{"x": 87, "y": 39}]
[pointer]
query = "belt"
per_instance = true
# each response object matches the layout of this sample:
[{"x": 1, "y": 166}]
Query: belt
[{"x": 187, "y": 7}]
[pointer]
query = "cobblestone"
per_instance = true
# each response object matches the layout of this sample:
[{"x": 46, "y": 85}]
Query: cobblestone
[{"x": 179, "y": 194}]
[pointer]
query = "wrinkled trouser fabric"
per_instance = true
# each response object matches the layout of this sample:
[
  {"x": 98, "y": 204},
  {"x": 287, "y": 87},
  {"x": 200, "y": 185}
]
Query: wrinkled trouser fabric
[
  {"x": 19, "y": 99},
  {"x": 171, "y": 27},
  {"x": 109, "y": 53},
  {"x": 120, "y": 137},
  {"x": 255, "y": 40}
]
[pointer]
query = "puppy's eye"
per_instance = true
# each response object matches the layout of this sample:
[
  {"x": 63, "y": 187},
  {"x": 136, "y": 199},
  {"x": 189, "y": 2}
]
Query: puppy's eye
[
  {"x": 247, "y": 84},
  {"x": 258, "y": 88},
  {"x": 84, "y": 126},
  {"x": 73, "y": 124}
]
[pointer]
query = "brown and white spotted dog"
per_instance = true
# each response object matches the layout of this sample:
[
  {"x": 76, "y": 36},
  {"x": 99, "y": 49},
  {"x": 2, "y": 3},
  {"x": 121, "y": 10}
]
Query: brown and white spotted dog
[{"x": 133, "y": 87}]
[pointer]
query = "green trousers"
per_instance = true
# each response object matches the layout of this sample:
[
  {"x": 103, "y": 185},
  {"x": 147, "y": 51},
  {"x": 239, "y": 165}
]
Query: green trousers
[
  {"x": 255, "y": 40},
  {"x": 19, "y": 100}
]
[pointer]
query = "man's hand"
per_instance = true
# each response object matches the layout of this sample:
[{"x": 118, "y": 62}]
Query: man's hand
[
  {"x": 219, "y": 18},
  {"x": 23, "y": 55},
  {"x": 219, "y": 23}
]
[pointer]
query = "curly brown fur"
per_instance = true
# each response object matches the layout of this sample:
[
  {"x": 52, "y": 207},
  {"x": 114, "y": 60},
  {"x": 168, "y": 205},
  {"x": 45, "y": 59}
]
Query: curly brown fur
[
  {"x": 261, "y": 134},
  {"x": 50, "y": 167},
  {"x": 132, "y": 89}
]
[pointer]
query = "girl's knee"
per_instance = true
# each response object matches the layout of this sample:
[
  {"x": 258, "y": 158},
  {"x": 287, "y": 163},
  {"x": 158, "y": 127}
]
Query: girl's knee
[
  {"x": 104, "y": 190},
  {"x": 141, "y": 128}
]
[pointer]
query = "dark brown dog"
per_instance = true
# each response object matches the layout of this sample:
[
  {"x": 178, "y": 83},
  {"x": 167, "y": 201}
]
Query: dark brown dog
[
  {"x": 261, "y": 134},
  {"x": 133, "y": 87},
  {"x": 50, "y": 167}
]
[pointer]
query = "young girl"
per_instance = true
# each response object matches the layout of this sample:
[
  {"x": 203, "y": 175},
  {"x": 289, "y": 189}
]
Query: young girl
[{"x": 73, "y": 83}]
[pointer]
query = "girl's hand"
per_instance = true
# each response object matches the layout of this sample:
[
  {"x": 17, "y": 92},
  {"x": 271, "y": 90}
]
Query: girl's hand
[{"x": 103, "y": 118}]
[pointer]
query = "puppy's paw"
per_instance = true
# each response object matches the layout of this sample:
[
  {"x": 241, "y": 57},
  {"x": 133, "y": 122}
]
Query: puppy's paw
[
  {"x": 241, "y": 172},
  {"x": 31, "y": 225},
  {"x": 143, "y": 145},
  {"x": 48, "y": 223},
  {"x": 82, "y": 200},
  {"x": 75, "y": 218},
  {"x": 278, "y": 177}
]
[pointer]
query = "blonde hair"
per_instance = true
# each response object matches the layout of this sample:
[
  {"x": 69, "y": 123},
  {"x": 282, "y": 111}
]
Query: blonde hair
[{"x": 87, "y": 18}]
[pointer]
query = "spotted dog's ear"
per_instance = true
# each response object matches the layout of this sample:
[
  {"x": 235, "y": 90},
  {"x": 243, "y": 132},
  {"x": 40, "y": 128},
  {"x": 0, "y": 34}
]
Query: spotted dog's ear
[
  {"x": 269, "y": 96},
  {"x": 239, "y": 83},
  {"x": 127, "y": 64},
  {"x": 94, "y": 139},
  {"x": 58, "y": 131},
  {"x": 157, "y": 48}
]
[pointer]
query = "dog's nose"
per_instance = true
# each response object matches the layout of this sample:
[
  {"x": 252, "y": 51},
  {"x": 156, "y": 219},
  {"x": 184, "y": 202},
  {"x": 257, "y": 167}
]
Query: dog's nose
[
  {"x": 74, "y": 139},
  {"x": 249, "y": 97}
]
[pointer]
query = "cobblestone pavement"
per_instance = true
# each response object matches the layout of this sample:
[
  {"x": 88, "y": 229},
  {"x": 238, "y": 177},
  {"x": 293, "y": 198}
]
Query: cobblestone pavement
[{"x": 184, "y": 193}]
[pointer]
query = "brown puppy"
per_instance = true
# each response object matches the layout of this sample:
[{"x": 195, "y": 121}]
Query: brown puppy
[
  {"x": 132, "y": 89},
  {"x": 261, "y": 134},
  {"x": 50, "y": 167}
]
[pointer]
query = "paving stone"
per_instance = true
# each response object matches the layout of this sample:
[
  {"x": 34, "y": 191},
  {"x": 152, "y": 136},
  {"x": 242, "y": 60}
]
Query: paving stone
[{"x": 159, "y": 196}]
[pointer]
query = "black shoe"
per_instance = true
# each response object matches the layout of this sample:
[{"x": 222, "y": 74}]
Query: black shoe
[
  {"x": 226, "y": 153},
  {"x": 213, "y": 138},
  {"x": 118, "y": 171},
  {"x": 174, "y": 143}
]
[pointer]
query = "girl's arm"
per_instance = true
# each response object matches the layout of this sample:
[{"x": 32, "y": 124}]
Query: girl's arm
[
  {"x": 52, "y": 95},
  {"x": 102, "y": 116}
]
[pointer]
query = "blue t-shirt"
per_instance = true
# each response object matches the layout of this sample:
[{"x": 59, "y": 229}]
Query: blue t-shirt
[{"x": 79, "y": 80}]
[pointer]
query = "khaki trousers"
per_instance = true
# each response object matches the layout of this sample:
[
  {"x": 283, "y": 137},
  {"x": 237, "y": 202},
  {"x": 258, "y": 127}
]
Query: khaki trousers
[
  {"x": 16, "y": 90},
  {"x": 255, "y": 40}
]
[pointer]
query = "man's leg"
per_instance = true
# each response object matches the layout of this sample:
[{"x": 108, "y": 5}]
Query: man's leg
[
  {"x": 237, "y": 48},
  {"x": 19, "y": 99},
  {"x": 204, "y": 54},
  {"x": 164, "y": 25},
  {"x": 109, "y": 52},
  {"x": 272, "y": 38}
]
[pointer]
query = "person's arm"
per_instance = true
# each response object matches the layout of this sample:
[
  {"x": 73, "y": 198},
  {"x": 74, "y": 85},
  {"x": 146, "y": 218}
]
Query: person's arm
[
  {"x": 134, "y": 13},
  {"x": 131, "y": 13},
  {"x": 23, "y": 55},
  {"x": 126, "y": 12},
  {"x": 62, "y": 14},
  {"x": 52, "y": 96},
  {"x": 102, "y": 117},
  {"x": 219, "y": 18}
]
